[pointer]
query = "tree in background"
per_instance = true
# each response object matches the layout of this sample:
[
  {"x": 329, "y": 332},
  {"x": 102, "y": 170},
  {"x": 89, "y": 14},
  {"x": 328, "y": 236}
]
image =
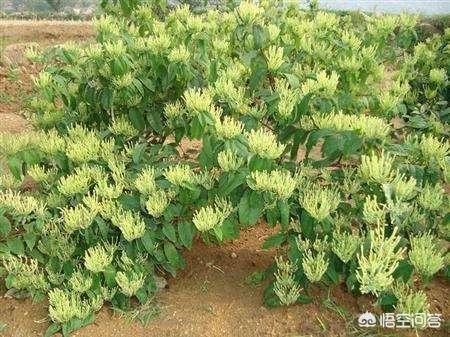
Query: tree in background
[{"x": 56, "y": 5}]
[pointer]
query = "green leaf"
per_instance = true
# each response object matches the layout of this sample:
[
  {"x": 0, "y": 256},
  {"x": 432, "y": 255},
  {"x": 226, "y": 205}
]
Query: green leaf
[
  {"x": 260, "y": 164},
  {"x": 387, "y": 301},
  {"x": 5, "y": 225},
  {"x": 229, "y": 182},
  {"x": 173, "y": 256},
  {"x": 332, "y": 274},
  {"x": 331, "y": 145},
  {"x": 274, "y": 241},
  {"x": 52, "y": 329},
  {"x": 352, "y": 143},
  {"x": 272, "y": 216},
  {"x": 30, "y": 239},
  {"x": 304, "y": 299},
  {"x": 130, "y": 202},
  {"x": 307, "y": 225},
  {"x": 137, "y": 119},
  {"x": 218, "y": 232},
  {"x": 293, "y": 80},
  {"x": 283, "y": 206},
  {"x": 299, "y": 137},
  {"x": 142, "y": 296},
  {"x": 106, "y": 98},
  {"x": 403, "y": 271},
  {"x": 352, "y": 283},
  {"x": 15, "y": 166},
  {"x": 76, "y": 324},
  {"x": 269, "y": 296},
  {"x": 229, "y": 229},
  {"x": 206, "y": 157},
  {"x": 31, "y": 157},
  {"x": 155, "y": 121},
  {"x": 186, "y": 232},
  {"x": 250, "y": 208},
  {"x": 169, "y": 232},
  {"x": 259, "y": 36},
  {"x": 257, "y": 76},
  {"x": 110, "y": 276},
  {"x": 148, "y": 242},
  {"x": 15, "y": 245},
  {"x": 196, "y": 129}
]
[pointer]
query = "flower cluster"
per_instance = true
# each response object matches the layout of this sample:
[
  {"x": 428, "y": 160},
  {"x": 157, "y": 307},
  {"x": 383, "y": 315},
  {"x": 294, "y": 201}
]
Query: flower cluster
[
  {"x": 228, "y": 160},
  {"x": 344, "y": 245},
  {"x": 76, "y": 218},
  {"x": 129, "y": 283},
  {"x": 264, "y": 144},
  {"x": 179, "y": 175},
  {"x": 378, "y": 263},
  {"x": 210, "y": 217},
  {"x": 368, "y": 126},
  {"x": 228, "y": 127},
  {"x": 98, "y": 258},
  {"x": 318, "y": 201},
  {"x": 377, "y": 169},
  {"x": 285, "y": 287},
  {"x": 278, "y": 182},
  {"x": 425, "y": 256},
  {"x": 197, "y": 100},
  {"x": 157, "y": 203},
  {"x": 65, "y": 306},
  {"x": 131, "y": 225},
  {"x": 314, "y": 265}
]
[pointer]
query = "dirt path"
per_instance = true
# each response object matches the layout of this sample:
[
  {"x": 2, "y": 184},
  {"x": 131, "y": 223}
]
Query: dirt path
[{"x": 211, "y": 297}]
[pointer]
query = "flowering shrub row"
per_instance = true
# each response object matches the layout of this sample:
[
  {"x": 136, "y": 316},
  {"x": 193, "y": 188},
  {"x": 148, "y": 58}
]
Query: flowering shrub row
[{"x": 330, "y": 129}]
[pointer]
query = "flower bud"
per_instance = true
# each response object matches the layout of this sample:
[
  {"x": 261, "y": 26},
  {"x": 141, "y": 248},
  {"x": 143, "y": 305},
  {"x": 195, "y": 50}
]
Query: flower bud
[
  {"x": 130, "y": 282},
  {"x": 372, "y": 212},
  {"x": 179, "y": 175},
  {"x": 431, "y": 197},
  {"x": 377, "y": 168},
  {"x": 197, "y": 100},
  {"x": 275, "y": 58},
  {"x": 179, "y": 54},
  {"x": 97, "y": 258},
  {"x": 425, "y": 256},
  {"x": 228, "y": 127},
  {"x": 314, "y": 267},
  {"x": 229, "y": 161},
  {"x": 157, "y": 203},
  {"x": 264, "y": 144},
  {"x": 285, "y": 285},
  {"x": 131, "y": 225},
  {"x": 344, "y": 245},
  {"x": 319, "y": 202},
  {"x": 79, "y": 282},
  {"x": 278, "y": 182},
  {"x": 77, "y": 218},
  {"x": 145, "y": 181}
]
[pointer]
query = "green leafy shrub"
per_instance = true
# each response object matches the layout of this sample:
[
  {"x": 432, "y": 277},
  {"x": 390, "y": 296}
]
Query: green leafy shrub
[{"x": 298, "y": 115}]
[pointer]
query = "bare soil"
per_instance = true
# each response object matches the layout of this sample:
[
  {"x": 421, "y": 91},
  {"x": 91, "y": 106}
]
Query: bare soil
[{"x": 211, "y": 297}]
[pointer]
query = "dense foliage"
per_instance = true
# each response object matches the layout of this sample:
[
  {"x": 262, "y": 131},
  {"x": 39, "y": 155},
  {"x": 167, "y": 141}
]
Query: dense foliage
[{"x": 331, "y": 128}]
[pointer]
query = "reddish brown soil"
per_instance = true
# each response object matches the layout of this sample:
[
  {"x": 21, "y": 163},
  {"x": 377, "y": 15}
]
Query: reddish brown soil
[
  {"x": 16, "y": 72},
  {"x": 211, "y": 297}
]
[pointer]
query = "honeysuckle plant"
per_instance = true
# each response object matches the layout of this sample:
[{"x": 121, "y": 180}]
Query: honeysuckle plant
[{"x": 332, "y": 130}]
